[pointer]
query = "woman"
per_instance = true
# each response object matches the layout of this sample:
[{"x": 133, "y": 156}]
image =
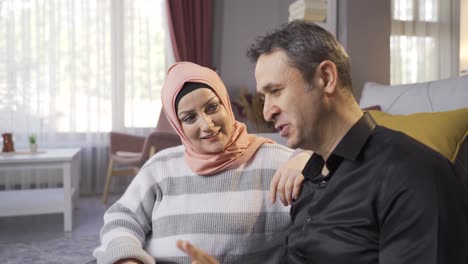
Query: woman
[{"x": 212, "y": 190}]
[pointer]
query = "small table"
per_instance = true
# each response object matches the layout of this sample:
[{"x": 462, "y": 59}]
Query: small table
[{"x": 43, "y": 201}]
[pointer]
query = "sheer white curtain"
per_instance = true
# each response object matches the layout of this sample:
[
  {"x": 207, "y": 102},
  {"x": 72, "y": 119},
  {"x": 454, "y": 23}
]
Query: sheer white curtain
[
  {"x": 421, "y": 41},
  {"x": 71, "y": 71}
]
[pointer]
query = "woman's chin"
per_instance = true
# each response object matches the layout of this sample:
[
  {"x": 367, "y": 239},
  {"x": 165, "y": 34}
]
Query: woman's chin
[{"x": 213, "y": 147}]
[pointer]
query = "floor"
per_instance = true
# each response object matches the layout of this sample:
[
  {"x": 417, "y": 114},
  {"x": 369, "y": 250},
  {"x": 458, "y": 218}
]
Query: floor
[{"x": 41, "y": 238}]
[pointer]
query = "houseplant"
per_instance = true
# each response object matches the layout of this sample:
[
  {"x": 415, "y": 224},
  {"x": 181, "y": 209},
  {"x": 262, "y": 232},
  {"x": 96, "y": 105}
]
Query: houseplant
[
  {"x": 32, "y": 143},
  {"x": 250, "y": 108}
]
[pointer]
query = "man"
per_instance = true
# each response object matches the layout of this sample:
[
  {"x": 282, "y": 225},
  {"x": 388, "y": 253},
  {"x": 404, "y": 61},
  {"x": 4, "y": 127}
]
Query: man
[{"x": 385, "y": 198}]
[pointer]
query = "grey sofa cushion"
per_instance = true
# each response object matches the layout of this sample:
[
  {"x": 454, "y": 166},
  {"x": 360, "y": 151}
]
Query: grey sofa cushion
[{"x": 434, "y": 96}]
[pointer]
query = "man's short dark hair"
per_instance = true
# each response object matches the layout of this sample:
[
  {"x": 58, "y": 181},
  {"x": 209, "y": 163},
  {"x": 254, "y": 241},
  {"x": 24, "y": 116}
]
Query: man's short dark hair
[{"x": 306, "y": 45}]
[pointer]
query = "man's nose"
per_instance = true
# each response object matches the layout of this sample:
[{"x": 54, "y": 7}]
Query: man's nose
[{"x": 269, "y": 110}]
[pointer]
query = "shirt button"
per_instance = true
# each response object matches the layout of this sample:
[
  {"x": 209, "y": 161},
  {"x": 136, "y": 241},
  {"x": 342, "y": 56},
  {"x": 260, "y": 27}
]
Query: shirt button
[
  {"x": 323, "y": 184},
  {"x": 309, "y": 221}
]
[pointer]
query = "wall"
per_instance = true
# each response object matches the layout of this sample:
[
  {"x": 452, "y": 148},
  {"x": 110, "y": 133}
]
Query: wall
[
  {"x": 364, "y": 28},
  {"x": 238, "y": 22}
]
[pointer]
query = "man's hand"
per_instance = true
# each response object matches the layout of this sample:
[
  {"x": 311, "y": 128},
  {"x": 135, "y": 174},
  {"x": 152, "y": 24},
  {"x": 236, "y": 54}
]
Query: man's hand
[
  {"x": 197, "y": 255},
  {"x": 287, "y": 181}
]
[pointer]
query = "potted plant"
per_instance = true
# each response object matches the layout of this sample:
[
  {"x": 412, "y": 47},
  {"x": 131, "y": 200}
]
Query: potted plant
[{"x": 32, "y": 143}]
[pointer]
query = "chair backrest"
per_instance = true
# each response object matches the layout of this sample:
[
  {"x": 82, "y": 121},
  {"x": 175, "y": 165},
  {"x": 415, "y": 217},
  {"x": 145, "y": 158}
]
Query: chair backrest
[
  {"x": 158, "y": 140},
  {"x": 163, "y": 124}
]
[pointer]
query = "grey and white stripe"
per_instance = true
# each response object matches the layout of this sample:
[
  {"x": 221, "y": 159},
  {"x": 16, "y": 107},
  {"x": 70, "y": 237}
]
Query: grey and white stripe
[{"x": 229, "y": 215}]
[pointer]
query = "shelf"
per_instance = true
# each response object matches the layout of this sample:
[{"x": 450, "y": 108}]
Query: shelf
[{"x": 31, "y": 202}]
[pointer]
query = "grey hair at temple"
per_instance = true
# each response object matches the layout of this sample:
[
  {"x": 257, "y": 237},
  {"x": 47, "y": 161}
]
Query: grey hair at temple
[{"x": 306, "y": 45}]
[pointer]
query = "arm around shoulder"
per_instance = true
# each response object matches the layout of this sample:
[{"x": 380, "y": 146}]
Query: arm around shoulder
[{"x": 287, "y": 181}]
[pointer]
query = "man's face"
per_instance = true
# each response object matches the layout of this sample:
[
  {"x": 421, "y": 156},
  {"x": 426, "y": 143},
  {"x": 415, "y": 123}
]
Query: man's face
[{"x": 290, "y": 102}]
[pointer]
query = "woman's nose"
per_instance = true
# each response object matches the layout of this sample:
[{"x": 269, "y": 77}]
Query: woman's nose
[{"x": 207, "y": 122}]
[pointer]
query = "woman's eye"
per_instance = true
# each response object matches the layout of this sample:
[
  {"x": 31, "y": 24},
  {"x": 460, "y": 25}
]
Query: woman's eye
[
  {"x": 211, "y": 108},
  {"x": 189, "y": 119}
]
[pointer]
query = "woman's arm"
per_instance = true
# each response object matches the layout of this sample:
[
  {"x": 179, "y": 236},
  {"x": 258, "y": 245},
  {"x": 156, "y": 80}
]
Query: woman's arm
[
  {"x": 127, "y": 222},
  {"x": 287, "y": 181}
]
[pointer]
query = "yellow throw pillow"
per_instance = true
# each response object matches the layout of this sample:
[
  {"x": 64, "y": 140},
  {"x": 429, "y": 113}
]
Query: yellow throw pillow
[{"x": 442, "y": 131}]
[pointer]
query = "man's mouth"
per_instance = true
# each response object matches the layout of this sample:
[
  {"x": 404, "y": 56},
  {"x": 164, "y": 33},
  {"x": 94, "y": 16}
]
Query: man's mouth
[{"x": 282, "y": 129}]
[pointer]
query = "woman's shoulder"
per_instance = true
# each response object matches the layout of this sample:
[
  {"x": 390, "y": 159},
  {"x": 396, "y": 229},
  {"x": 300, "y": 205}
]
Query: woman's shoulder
[
  {"x": 167, "y": 155},
  {"x": 275, "y": 151},
  {"x": 275, "y": 147},
  {"x": 166, "y": 163},
  {"x": 269, "y": 156}
]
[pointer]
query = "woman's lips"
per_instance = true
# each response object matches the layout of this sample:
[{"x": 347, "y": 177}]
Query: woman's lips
[{"x": 211, "y": 136}]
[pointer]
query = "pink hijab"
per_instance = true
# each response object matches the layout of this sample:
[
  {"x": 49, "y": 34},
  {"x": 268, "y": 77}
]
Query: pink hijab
[{"x": 240, "y": 147}]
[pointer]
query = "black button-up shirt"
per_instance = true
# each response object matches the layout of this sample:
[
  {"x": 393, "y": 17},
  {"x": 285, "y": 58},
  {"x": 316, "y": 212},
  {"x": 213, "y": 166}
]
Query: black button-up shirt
[{"x": 387, "y": 199}]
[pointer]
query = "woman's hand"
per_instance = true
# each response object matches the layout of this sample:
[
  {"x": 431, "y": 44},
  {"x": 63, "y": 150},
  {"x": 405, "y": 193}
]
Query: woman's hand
[
  {"x": 197, "y": 255},
  {"x": 287, "y": 181}
]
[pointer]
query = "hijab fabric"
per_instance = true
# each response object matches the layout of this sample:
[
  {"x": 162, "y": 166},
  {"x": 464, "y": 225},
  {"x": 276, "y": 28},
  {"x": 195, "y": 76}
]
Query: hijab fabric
[{"x": 239, "y": 148}]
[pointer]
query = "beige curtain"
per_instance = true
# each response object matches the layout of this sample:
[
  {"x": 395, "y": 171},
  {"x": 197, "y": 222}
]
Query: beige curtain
[
  {"x": 421, "y": 41},
  {"x": 73, "y": 70}
]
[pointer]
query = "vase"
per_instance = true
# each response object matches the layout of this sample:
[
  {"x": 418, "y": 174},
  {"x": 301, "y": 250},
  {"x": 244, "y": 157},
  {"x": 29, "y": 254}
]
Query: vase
[
  {"x": 8, "y": 142},
  {"x": 33, "y": 148}
]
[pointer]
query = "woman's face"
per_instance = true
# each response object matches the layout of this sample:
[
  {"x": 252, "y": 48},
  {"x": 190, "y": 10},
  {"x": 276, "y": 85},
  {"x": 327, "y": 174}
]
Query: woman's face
[{"x": 204, "y": 121}]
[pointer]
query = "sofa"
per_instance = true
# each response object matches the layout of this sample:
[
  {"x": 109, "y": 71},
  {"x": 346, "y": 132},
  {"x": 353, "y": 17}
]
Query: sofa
[{"x": 435, "y": 113}]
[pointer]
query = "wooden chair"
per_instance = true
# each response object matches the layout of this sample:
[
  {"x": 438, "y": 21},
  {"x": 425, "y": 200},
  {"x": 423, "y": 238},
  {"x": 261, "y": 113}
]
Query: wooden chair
[{"x": 130, "y": 152}]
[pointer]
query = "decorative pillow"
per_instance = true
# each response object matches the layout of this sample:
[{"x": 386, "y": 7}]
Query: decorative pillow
[{"x": 442, "y": 131}]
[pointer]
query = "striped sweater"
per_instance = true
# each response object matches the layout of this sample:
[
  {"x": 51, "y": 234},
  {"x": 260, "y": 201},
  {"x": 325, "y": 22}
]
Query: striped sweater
[{"x": 228, "y": 215}]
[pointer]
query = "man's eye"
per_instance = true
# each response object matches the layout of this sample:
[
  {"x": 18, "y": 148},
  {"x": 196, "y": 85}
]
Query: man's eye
[{"x": 275, "y": 91}]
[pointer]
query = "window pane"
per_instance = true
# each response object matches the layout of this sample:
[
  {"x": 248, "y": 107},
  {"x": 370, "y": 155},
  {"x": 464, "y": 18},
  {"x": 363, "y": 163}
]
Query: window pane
[
  {"x": 144, "y": 62},
  {"x": 428, "y": 10},
  {"x": 55, "y": 66},
  {"x": 412, "y": 59},
  {"x": 403, "y": 10}
]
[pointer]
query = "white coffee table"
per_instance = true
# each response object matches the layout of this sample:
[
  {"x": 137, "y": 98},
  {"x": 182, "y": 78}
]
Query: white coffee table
[{"x": 43, "y": 201}]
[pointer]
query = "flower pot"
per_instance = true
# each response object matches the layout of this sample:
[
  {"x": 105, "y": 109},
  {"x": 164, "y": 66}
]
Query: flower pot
[{"x": 33, "y": 148}]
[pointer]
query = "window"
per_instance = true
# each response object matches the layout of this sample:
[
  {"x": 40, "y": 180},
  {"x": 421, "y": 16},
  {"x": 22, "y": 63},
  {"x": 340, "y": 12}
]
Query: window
[
  {"x": 420, "y": 44},
  {"x": 80, "y": 65}
]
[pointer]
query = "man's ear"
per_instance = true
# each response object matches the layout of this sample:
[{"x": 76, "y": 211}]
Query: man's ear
[{"x": 327, "y": 75}]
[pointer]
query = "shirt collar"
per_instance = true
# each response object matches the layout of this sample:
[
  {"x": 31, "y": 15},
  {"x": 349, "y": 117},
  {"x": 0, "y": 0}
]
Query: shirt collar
[
  {"x": 348, "y": 148},
  {"x": 353, "y": 141}
]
